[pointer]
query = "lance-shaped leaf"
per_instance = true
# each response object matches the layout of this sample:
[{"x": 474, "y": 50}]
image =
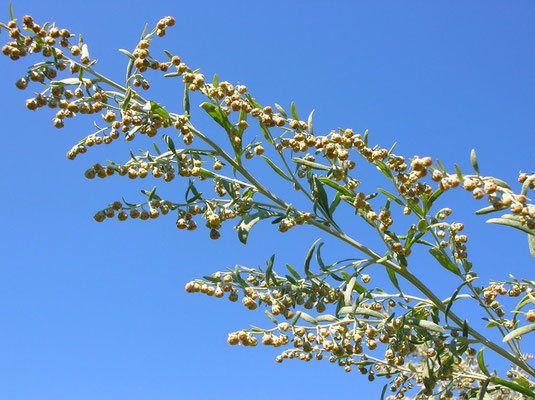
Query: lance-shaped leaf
[
  {"x": 309, "y": 318},
  {"x": 293, "y": 271},
  {"x": 276, "y": 168},
  {"x": 294, "y": 111},
  {"x": 217, "y": 115},
  {"x": 326, "y": 318},
  {"x": 512, "y": 221},
  {"x": 319, "y": 196},
  {"x": 360, "y": 311},
  {"x": 271, "y": 317},
  {"x": 349, "y": 290},
  {"x": 531, "y": 244},
  {"x": 513, "y": 385},
  {"x": 310, "y": 164},
  {"x": 310, "y": 126},
  {"x": 308, "y": 257},
  {"x": 518, "y": 332},
  {"x": 186, "y": 99},
  {"x": 391, "y": 196},
  {"x": 281, "y": 110},
  {"x": 245, "y": 225},
  {"x": 473, "y": 161},
  {"x": 422, "y": 323},
  {"x": 336, "y": 186},
  {"x": 156, "y": 108},
  {"x": 444, "y": 260},
  {"x": 481, "y": 362}
]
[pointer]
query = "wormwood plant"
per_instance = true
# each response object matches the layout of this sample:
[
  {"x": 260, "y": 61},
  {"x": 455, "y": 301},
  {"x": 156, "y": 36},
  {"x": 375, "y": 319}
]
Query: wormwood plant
[{"x": 411, "y": 338}]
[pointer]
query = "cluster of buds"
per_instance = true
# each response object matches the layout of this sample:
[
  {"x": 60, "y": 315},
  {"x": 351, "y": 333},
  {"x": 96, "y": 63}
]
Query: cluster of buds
[
  {"x": 289, "y": 222},
  {"x": 492, "y": 292},
  {"x": 449, "y": 233},
  {"x": 156, "y": 207}
]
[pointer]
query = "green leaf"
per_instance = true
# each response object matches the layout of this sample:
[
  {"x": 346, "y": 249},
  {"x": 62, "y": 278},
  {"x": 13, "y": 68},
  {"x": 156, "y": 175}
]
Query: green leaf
[
  {"x": 334, "y": 204},
  {"x": 216, "y": 115},
  {"x": 293, "y": 271},
  {"x": 518, "y": 332},
  {"x": 310, "y": 127},
  {"x": 127, "y": 97},
  {"x": 271, "y": 317},
  {"x": 384, "y": 169},
  {"x": 458, "y": 172},
  {"x": 422, "y": 225},
  {"x": 11, "y": 11},
  {"x": 311, "y": 164},
  {"x": 512, "y": 221},
  {"x": 144, "y": 30},
  {"x": 319, "y": 195},
  {"x": 488, "y": 210},
  {"x": 336, "y": 186},
  {"x": 481, "y": 362},
  {"x": 151, "y": 194},
  {"x": 266, "y": 133},
  {"x": 215, "y": 81},
  {"x": 360, "y": 311},
  {"x": 326, "y": 318},
  {"x": 308, "y": 257},
  {"x": 66, "y": 82},
  {"x": 444, "y": 260},
  {"x": 393, "y": 279},
  {"x": 207, "y": 174},
  {"x": 422, "y": 323},
  {"x": 127, "y": 53},
  {"x": 308, "y": 318},
  {"x": 513, "y": 385},
  {"x": 156, "y": 108},
  {"x": 294, "y": 112},
  {"x": 391, "y": 196},
  {"x": 296, "y": 318},
  {"x": 170, "y": 144},
  {"x": 429, "y": 203},
  {"x": 245, "y": 225},
  {"x": 269, "y": 269},
  {"x": 531, "y": 244},
  {"x": 276, "y": 169},
  {"x": 349, "y": 290},
  {"x": 383, "y": 391},
  {"x": 502, "y": 184},
  {"x": 473, "y": 160},
  {"x": 452, "y": 299},
  {"x": 186, "y": 99},
  {"x": 281, "y": 110},
  {"x": 440, "y": 166},
  {"x": 365, "y": 138}
]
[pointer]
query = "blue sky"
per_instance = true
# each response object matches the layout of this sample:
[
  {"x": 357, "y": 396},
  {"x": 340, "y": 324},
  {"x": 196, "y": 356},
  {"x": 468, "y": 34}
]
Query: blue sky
[{"x": 93, "y": 310}]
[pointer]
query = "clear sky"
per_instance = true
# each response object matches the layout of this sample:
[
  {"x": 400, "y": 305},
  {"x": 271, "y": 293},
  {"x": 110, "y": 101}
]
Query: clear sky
[{"x": 98, "y": 311}]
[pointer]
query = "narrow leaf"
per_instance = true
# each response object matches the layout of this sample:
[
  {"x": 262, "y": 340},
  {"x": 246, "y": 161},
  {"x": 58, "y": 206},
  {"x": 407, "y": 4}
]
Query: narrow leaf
[
  {"x": 293, "y": 271},
  {"x": 310, "y": 126},
  {"x": 246, "y": 224},
  {"x": 281, "y": 110},
  {"x": 512, "y": 221},
  {"x": 473, "y": 160},
  {"x": 513, "y": 385},
  {"x": 311, "y": 164},
  {"x": 531, "y": 244},
  {"x": 518, "y": 332},
  {"x": 308, "y": 257},
  {"x": 444, "y": 260},
  {"x": 276, "y": 169},
  {"x": 294, "y": 112},
  {"x": 481, "y": 362}
]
